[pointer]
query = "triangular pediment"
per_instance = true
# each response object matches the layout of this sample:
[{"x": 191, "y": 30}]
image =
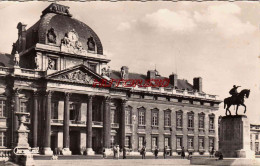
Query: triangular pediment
[{"x": 76, "y": 74}]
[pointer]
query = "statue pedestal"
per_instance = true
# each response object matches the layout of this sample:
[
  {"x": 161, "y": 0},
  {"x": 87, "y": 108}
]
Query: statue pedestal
[{"x": 234, "y": 140}]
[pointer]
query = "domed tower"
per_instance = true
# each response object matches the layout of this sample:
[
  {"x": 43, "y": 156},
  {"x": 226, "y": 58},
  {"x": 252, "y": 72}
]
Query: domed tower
[{"x": 58, "y": 41}]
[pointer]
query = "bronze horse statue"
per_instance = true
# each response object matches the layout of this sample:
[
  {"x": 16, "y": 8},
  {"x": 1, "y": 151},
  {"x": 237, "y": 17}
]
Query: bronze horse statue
[{"x": 236, "y": 100}]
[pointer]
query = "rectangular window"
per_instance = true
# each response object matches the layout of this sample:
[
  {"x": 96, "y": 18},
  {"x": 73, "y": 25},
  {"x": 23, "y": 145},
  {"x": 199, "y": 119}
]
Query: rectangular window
[
  {"x": 155, "y": 118},
  {"x": 2, "y": 139},
  {"x": 112, "y": 141},
  {"x": 23, "y": 107},
  {"x": 190, "y": 120},
  {"x": 201, "y": 143},
  {"x": 112, "y": 116},
  {"x": 256, "y": 146},
  {"x": 190, "y": 143},
  {"x": 179, "y": 142},
  {"x": 179, "y": 120},
  {"x": 54, "y": 110},
  {"x": 167, "y": 119},
  {"x": 211, "y": 123},
  {"x": 256, "y": 137},
  {"x": 2, "y": 108},
  {"x": 211, "y": 143},
  {"x": 201, "y": 122},
  {"x": 154, "y": 142},
  {"x": 128, "y": 141},
  {"x": 128, "y": 117},
  {"x": 167, "y": 142},
  {"x": 74, "y": 112},
  {"x": 141, "y": 118},
  {"x": 140, "y": 142}
]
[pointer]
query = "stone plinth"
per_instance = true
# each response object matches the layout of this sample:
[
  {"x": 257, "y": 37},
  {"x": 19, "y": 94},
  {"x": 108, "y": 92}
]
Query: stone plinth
[{"x": 234, "y": 140}]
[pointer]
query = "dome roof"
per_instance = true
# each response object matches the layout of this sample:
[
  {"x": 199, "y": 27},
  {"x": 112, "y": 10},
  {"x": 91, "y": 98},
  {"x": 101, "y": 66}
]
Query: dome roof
[{"x": 56, "y": 23}]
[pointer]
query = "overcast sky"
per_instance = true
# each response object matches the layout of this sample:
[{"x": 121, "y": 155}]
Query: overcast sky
[{"x": 218, "y": 41}]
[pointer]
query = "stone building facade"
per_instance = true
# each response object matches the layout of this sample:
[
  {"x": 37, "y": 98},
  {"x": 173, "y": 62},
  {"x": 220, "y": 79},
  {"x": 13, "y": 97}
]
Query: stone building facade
[
  {"x": 254, "y": 138},
  {"x": 50, "y": 74}
]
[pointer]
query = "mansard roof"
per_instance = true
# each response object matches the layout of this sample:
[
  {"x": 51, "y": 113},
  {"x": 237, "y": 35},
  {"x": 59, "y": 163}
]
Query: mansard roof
[
  {"x": 6, "y": 60},
  {"x": 181, "y": 84}
]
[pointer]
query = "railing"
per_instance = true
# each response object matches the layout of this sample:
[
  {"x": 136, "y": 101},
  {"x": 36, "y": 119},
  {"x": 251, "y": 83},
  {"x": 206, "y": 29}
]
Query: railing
[
  {"x": 191, "y": 93},
  {"x": 5, "y": 69},
  {"x": 114, "y": 125},
  {"x": 5, "y": 153},
  {"x": 97, "y": 123},
  {"x": 77, "y": 122},
  {"x": 179, "y": 91},
  {"x": 56, "y": 121}
]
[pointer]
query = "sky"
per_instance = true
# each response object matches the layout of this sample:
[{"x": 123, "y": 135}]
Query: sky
[{"x": 218, "y": 41}]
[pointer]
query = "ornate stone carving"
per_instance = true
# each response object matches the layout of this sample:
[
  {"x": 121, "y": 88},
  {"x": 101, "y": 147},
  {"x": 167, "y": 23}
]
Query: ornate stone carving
[
  {"x": 123, "y": 72},
  {"x": 16, "y": 59},
  {"x": 106, "y": 71},
  {"x": 76, "y": 76},
  {"x": 71, "y": 44},
  {"x": 51, "y": 36},
  {"x": 57, "y": 8},
  {"x": 51, "y": 64},
  {"x": 91, "y": 44}
]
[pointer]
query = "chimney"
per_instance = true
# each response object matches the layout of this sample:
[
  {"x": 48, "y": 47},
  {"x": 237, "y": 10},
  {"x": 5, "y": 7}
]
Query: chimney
[
  {"x": 197, "y": 84},
  {"x": 173, "y": 80},
  {"x": 21, "y": 36},
  {"x": 124, "y": 72},
  {"x": 151, "y": 74}
]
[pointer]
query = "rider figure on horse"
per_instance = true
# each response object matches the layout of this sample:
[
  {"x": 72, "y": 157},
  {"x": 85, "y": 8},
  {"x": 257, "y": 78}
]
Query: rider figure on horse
[{"x": 233, "y": 92}]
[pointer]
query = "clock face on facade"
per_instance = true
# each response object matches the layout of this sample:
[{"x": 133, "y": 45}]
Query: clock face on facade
[{"x": 72, "y": 35}]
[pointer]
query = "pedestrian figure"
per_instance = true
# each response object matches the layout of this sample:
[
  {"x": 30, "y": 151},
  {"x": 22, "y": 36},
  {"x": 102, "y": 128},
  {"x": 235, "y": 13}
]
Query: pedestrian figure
[
  {"x": 156, "y": 151},
  {"x": 220, "y": 156},
  {"x": 104, "y": 154},
  {"x": 143, "y": 152},
  {"x": 182, "y": 153},
  {"x": 114, "y": 151},
  {"x": 212, "y": 152},
  {"x": 124, "y": 152},
  {"x": 165, "y": 152},
  {"x": 117, "y": 151}
]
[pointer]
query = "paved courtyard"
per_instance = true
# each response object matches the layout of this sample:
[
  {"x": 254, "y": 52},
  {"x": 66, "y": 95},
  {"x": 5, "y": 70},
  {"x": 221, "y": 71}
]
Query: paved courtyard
[{"x": 112, "y": 162}]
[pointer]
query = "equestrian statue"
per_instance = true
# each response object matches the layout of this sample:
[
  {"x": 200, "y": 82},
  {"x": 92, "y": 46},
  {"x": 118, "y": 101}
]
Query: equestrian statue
[{"x": 236, "y": 99}]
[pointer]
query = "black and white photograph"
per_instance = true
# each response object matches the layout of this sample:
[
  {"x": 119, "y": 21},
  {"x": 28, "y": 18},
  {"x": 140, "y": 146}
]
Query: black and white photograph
[{"x": 122, "y": 83}]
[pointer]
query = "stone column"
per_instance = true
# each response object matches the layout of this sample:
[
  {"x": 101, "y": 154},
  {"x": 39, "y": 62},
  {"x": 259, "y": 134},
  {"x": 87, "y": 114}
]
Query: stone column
[
  {"x": 66, "y": 125},
  {"x": 89, "y": 127},
  {"x": 15, "y": 118},
  {"x": 106, "y": 125},
  {"x": 35, "y": 119},
  {"x": 122, "y": 124},
  {"x": 47, "y": 136}
]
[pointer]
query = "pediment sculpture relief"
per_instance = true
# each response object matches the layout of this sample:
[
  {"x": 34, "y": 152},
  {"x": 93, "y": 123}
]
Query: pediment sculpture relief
[{"x": 76, "y": 76}]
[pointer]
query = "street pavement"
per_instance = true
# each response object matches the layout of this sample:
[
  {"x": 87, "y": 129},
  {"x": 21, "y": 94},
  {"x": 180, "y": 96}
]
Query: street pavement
[{"x": 113, "y": 162}]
